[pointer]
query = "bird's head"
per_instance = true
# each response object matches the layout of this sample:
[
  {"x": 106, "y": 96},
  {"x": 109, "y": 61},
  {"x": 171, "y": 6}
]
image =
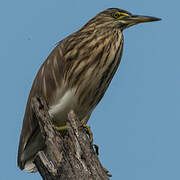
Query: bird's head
[{"x": 120, "y": 18}]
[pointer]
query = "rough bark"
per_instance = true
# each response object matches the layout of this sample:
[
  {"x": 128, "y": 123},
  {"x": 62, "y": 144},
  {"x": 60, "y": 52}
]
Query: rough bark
[{"x": 69, "y": 156}]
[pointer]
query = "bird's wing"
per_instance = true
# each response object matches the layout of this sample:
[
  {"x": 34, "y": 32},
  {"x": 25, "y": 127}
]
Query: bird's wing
[{"x": 49, "y": 76}]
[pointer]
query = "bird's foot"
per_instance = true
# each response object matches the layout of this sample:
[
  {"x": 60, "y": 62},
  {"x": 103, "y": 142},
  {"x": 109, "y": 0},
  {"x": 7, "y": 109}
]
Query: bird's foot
[
  {"x": 89, "y": 132},
  {"x": 87, "y": 128}
]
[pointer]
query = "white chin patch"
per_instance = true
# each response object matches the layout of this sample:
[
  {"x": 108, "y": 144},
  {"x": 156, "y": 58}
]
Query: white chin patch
[{"x": 30, "y": 167}]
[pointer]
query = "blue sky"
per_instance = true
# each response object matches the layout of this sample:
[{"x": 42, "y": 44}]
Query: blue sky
[{"x": 136, "y": 125}]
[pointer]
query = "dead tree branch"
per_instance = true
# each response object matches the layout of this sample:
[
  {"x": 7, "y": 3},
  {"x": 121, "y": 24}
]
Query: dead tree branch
[{"x": 67, "y": 157}]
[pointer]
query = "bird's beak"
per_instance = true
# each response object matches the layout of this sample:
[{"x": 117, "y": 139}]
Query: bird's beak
[
  {"x": 141, "y": 19},
  {"x": 136, "y": 19}
]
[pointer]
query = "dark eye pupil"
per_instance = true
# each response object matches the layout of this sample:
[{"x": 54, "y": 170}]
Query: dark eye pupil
[{"x": 116, "y": 15}]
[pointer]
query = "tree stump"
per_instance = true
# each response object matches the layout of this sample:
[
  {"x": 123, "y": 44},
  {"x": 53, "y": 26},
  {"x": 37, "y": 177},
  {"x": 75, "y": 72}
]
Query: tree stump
[{"x": 67, "y": 157}]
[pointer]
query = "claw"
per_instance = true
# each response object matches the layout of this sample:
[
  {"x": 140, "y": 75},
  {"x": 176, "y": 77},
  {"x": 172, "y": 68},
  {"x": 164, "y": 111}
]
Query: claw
[
  {"x": 96, "y": 148},
  {"x": 107, "y": 172}
]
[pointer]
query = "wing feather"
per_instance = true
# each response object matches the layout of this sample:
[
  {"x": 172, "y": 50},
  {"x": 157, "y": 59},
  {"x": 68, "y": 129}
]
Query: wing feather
[{"x": 49, "y": 76}]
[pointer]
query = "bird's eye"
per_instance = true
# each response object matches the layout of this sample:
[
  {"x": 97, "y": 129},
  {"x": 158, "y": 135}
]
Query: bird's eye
[{"x": 117, "y": 15}]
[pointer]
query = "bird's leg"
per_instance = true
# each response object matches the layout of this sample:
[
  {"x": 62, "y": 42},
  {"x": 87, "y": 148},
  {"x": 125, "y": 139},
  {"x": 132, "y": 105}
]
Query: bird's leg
[
  {"x": 61, "y": 128},
  {"x": 89, "y": 132},
  {"x": 87, "y": 128}
]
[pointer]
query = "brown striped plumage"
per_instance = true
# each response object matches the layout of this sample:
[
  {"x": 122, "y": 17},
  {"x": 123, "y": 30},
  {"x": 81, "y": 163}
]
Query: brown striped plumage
[{"x": 76, "y": 75}]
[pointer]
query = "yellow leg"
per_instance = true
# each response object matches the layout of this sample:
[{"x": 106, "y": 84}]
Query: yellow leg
[
  {"x": 89, "y": 132},
  {"x": 61, "y": 128}
]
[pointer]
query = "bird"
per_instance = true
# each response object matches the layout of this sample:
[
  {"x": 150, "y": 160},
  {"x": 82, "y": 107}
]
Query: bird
[{"x": 76, "y": 76}]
